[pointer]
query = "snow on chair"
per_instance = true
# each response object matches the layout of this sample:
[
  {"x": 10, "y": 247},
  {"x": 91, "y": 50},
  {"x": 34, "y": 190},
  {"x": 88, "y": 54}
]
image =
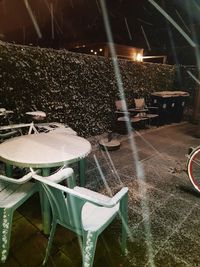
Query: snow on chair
[
  {"x": 49, "y": 127},
  {"x": 83, "y": 211},
  {"x": 145, "y": 111},
  {"x": 4, "y": 112},
  {"x": 13, "y": 193},
  {"x": 37, "y": 115},
  {"x": 55, "y": 127}
]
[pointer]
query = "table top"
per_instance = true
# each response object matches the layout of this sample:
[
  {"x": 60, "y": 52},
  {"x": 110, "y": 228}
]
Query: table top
[
  {"x": 170, "y": 93},
  {"x": 44, "y": 150}
]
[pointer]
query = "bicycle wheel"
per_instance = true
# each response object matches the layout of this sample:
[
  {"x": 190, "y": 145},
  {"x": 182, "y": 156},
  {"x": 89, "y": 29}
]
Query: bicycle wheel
[{"x": 193, "y": 168}]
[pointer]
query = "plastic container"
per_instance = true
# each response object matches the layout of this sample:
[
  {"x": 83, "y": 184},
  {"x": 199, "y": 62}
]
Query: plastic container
[{"x": 170, "y": 105}]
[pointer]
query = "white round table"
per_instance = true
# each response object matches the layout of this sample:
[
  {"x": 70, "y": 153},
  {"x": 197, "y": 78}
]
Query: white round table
[{"x": 45, "y": 151}]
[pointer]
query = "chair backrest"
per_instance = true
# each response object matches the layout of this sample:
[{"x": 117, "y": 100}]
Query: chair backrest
[
  {"x": 66, "y": 208},
  {"x": 139, "y": 103},
  {"x": 120, "y": 104}
]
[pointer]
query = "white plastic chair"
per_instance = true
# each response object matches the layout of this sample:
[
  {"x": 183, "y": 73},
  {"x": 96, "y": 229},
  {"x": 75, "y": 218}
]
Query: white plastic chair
[
  {"x": 83, "y": 211},
  {"x": 13, "y": 193}
]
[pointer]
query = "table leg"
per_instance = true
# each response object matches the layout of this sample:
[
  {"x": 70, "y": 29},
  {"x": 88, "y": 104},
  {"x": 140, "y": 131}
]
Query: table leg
[
  {"x": 45, "y": 206},
  {"x": 9, "y": 170},
  {"x": 82, "y": 168}
]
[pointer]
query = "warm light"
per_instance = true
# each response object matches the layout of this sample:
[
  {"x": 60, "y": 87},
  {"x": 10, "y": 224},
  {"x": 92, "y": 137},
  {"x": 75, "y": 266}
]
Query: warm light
[
  {"x": 139, "y": 57},
  {"x": 95, "y": 53},
  {"x": 91, "y": 50},
  {"x": 100, "y": 49}
]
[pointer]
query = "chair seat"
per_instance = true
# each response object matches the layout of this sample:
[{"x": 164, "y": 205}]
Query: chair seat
[
  {"x": 124, "y": 118},
  {"x": 67, "y": 130},
  {"x": 13, "y": 194},
  {"x": 132, "y": 119},
  {"x": 151, "y": 116},
  {"x": 94, "y": 217},
  {"x": 55, "y": 127}
]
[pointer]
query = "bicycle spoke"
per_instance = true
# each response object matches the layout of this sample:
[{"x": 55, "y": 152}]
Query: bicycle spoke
[{"x": 197, "y": 162}]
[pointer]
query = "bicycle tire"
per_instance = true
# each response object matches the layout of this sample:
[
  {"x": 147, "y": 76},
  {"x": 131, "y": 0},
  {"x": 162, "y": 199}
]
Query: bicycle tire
[{"x": 193, "y": 168}]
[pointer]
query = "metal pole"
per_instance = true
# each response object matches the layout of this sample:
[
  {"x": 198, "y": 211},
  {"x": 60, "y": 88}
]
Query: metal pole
[
  {"x": 198, "y": 129},
  {"x": 196, "y": 106},
  {"x": 196, "y": 113}
]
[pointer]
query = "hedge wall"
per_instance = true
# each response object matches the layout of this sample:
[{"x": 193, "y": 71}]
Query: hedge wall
[{"x": 76, "y": 89}]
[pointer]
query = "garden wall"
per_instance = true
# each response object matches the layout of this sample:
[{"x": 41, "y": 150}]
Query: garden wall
[{"x": 76, "y": 89}]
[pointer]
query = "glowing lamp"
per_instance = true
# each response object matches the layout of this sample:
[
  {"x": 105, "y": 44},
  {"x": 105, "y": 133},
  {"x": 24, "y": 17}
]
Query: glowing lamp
[{"x": 139, "y": 57}]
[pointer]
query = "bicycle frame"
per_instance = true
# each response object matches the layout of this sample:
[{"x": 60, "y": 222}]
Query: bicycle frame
[{"x": 11, "y": 128}]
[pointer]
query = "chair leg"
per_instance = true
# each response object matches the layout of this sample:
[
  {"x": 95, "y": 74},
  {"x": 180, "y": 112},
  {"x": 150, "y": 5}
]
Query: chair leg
[
  {"x": 9, "y": 170},
  {"x": 6, "y": 216},
  {"x": 50, "y": 241},
  {"x": 82, "y": 168},
  {"x": 124, "y": 218},
  {"x": 89, "y": 247}
]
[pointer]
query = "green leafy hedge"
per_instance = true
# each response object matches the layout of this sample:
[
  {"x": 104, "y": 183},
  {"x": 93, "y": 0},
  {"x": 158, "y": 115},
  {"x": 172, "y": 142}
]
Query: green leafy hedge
[{"x": 76, "y": 89}]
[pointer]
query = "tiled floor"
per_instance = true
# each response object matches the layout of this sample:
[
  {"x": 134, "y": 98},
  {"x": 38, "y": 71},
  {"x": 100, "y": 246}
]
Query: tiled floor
[{"x": 164, "y": 209}]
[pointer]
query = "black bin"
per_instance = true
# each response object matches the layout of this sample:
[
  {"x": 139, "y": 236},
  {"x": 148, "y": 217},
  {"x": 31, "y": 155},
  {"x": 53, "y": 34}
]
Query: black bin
[
  {"x": 179, "y": 108},
  {"x": 170, "y": 105}
]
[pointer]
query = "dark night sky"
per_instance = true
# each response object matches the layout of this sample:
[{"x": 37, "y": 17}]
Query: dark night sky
[{"x": 133, "y": 22}]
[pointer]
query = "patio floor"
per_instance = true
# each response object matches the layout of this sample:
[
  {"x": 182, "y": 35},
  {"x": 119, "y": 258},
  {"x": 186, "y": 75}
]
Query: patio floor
[{"x": 164, "y": 209}]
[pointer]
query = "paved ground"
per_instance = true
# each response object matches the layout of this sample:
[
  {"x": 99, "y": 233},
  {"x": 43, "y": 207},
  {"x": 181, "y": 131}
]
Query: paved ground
[{"x": 164, "y": 209}]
